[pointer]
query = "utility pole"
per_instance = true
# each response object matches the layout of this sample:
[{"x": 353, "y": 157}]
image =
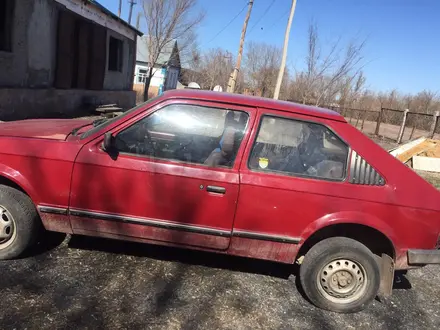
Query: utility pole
[
  {"x": 234, "y": 74},
  {"x": 138, "y": 20},
  {"x": 132, "y": 3},
  {"x": 286, "y": 44},
  {"x": 120, "y": 8}
]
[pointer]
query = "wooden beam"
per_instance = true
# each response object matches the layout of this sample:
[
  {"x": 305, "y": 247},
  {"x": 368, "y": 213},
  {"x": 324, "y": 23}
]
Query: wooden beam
[
  {"x": 418, "y": 149},
  {"x": 429, "y": 164}
]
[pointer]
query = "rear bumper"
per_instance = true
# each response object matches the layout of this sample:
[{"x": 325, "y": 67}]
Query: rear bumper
[{"x": 423, "y": 257}]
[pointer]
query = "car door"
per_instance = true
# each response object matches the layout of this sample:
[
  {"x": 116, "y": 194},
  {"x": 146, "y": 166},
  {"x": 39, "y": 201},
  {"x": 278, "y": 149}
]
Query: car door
[
  {"x": 293, "y": 169},
  {"x": 154, "y": 184}
]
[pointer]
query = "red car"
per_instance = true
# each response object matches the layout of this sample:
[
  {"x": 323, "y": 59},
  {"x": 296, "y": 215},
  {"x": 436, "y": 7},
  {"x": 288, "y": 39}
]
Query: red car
[{"x": 229, "y": 174}]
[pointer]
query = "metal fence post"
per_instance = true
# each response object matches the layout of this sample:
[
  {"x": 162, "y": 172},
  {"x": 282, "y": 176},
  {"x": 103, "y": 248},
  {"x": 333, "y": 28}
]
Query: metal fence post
[
  {"x": 402, "y": 127},
  {"x": 379, "y": 119},
  {"x": 434, "y": 124}
]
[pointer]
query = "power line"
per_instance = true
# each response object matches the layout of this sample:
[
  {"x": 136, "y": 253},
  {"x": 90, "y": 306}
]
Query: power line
[
  {"x": 218, "y": 33},
  {"x": 278, "y": 20},
  {"x": 261, "y": 17},
  {"x": 227, "y": 25}
]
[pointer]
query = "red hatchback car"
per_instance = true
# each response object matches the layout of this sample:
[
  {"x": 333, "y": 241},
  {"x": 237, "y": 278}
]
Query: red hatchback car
[{"x": 230, "y": 174}]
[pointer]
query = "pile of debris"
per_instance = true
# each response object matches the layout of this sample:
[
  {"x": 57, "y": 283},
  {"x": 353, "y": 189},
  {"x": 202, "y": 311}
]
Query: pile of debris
[
  {"x": 109, "y": 110},
  {"x": 422, "y": 154}
]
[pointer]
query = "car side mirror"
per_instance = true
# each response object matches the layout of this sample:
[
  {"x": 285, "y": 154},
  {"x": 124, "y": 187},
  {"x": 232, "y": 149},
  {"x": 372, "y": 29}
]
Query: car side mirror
[{"x": 107, "y": 144}]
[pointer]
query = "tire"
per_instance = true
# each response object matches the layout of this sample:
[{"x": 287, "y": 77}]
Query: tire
[
  {"x": 340, "y": 274},
  {"x": 19, "y": 222}
]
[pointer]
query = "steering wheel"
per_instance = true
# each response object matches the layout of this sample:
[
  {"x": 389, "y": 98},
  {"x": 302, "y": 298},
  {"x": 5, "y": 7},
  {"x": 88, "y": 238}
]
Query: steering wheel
[{"x": 179, "y": 152}]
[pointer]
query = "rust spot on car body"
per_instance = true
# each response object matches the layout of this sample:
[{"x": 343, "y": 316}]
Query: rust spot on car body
[
  {"x": 56, "y": 222},
  {"x": 254, "y": 248}
]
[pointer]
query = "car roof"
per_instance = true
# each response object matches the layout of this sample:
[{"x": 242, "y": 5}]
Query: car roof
[{"x": 254, "y": 101}]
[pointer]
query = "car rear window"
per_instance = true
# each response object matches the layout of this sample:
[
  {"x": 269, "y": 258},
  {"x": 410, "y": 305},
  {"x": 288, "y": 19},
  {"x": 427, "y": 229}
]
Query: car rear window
[{"x": 299, "y": 148}]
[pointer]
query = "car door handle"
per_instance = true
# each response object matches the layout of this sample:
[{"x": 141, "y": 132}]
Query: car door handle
[{"x": 216, "y": 189}]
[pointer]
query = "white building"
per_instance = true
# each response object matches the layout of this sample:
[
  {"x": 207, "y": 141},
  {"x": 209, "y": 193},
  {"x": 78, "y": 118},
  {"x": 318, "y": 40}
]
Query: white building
[{"x": 166, "y": 70}]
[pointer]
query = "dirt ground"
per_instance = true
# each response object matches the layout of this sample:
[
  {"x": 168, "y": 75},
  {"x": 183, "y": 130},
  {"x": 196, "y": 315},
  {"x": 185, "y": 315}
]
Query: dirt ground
[{"x": 88, "y": 283}]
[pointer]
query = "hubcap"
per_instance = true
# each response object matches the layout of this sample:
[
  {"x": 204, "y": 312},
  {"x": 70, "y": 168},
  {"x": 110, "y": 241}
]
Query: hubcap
[
  {"x": 7, "y": 228},
  {"x": 342, "y": 281}
]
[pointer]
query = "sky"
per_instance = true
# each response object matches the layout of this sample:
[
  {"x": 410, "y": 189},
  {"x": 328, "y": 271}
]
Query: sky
[{"x": 403, "y": 36}]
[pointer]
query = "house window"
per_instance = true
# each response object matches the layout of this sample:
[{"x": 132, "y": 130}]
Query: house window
[
  {"x": 142, "y": 76},
  {"x": 6, "y": 19},
  {"x": 115, "y": 54}
]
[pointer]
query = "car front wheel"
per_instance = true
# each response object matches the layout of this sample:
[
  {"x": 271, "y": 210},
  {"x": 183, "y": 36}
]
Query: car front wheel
[
  {"x": 340, "y": 274},
  {"x": 19, "y": 222}
]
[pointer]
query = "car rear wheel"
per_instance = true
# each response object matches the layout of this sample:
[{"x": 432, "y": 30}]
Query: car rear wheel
[
  {"x": 19, "y": 222},
  {"x": 340, "y": 274}
]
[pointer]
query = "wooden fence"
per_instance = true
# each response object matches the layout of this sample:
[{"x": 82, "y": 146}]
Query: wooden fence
[{"x": 393, "y": 124}]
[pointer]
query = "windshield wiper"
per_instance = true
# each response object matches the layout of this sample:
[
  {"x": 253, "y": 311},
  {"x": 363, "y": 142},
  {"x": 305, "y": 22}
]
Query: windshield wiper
[{"x": 95, "y": 123}]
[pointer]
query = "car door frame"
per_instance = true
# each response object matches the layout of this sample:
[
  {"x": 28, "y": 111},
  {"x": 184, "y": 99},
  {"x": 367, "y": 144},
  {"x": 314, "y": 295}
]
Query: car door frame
[
  {"x": 251, "y": 111},
  {"x": 221, "y": 171},
  {"x": 279, "y": 242}
]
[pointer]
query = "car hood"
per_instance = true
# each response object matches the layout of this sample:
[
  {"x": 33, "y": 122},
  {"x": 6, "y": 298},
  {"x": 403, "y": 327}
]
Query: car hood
[{"x": 53, "y": 129}]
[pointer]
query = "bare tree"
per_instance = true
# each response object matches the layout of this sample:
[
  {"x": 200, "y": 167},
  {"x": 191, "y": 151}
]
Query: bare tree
[
  {"x": 326, "y": 73},
  {"x": 217, "y": 66},
  {"x": 168, "y": 21},
  {"x": 209, "y": 69},
  {"x": 390, "y": 100},
  {"x": 262, "y": 62},
  {"x": 351, "y": 89},
  {"x": 193, "y": 65},
  {"x": 423, "y": 102},
  {"x": 367, "y": 101}
]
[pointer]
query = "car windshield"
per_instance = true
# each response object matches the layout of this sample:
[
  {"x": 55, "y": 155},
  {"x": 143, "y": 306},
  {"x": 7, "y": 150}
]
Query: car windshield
[{"x": 108, "y": 122}]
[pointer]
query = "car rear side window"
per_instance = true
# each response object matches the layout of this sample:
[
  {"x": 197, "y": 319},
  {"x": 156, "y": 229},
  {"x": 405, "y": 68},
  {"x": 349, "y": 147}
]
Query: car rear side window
[
  {"x": 187, "y": 133},
  {"x": 301, "y": 148}
]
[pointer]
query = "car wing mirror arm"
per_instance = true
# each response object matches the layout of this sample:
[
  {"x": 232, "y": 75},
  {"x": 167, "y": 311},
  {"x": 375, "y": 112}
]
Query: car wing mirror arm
[{"x": 108, "y": 143}]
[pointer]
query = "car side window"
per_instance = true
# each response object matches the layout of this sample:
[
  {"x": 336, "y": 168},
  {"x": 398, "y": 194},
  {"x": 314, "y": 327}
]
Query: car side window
[
  {"x": 187, "y": 133},
  {"x": 298, "y": 148}
]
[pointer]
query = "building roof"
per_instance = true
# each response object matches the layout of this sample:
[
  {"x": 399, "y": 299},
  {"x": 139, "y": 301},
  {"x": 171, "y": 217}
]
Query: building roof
[
  {"x": 254, "y": 101},
  {"x": 114, "y": 16},
  {"x": 142, "y": 53}
]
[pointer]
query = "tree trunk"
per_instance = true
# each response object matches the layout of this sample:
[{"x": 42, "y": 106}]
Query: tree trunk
[{"x": 147, "y": 84}]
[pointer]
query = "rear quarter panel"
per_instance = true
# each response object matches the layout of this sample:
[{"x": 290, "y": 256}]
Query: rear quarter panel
[{"x": 405, "y": 209}]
